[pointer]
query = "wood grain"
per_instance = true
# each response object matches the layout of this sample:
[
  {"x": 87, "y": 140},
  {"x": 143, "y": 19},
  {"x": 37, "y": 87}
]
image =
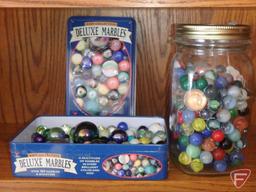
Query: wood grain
[
  {"x": 32, "y": 56},
  {"x": 127, "y": 3},
  {"x": 177, "y": 181}
]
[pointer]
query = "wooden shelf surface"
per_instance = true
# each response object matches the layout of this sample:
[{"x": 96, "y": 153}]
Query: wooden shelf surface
[
  {"x": 127, "y": 3},
  {"x": 177, "y": 181}
]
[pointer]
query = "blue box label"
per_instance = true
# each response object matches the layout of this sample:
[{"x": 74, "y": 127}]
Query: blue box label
[
  {"x": 91, "y": 164},
  {"x": 44, "y": 164},
  {"x": 101, "y": 66}
]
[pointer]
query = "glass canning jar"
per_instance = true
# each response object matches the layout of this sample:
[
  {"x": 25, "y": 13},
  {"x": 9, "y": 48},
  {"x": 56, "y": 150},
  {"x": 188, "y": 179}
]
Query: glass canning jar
[{"x": 212, "y": 80}]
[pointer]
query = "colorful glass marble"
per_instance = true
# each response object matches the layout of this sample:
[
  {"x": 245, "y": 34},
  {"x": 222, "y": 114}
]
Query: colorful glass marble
[
  {"x": 220, "y": 166},
  {"x": 123, "y": 126},
  {"x": 201, "y": 83},
  {"x": 76, "y": 59},
  {"x": 115, "y": 45},
  {"x": 211, "y": 92},
  {"x": 196, "y": 165},
  {"x": 112, "y": 83},
  {"x": 223, "y": 116},
  {"x": 188, "y": 116},
  {"x": 184, "y": 158},
  {"x": 229, "y": 102},
  {"x": 40, "y": 129},
  {"x": 195, "y": 139},
  {"x": 86, "y": 63},
  {"x": 56, "y": 134},
  {"x": 218, "y": 154},
  {"x": 221, "y": 82},
  {"x": 241, "y": 123},
  {"x": 234, "y": 91},
  {"x": 199, "y": 124},
  {"x": 235, "y": 136},
  {"x": 195, "y": 100},
  {"x": 214, "y": 105},
  {"x": 208, "y": 145},
  {"x": 119, "y": 136},
  {"x": 193, "y": 151},
  {"x": 123, "y": 77},
  {"x": 38, "y": 138},
  {"x": 206, "y": 157},
  {"x": 92, "y": 107},
  {"x": 118, "y": 56},
  {"x": 81, "y": 91},
  {"x": 226, "y": 144},
  {"x": 218, "y": 135},
  {"x": 85, "y": 131}
]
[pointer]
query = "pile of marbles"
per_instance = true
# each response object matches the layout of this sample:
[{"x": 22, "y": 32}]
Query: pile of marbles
[
  {"x": 132, "y": 166},
  {"x": 100, "y": 75},
  {"x": 87, "y": 132},
  {"x": 210, "y": 107}
]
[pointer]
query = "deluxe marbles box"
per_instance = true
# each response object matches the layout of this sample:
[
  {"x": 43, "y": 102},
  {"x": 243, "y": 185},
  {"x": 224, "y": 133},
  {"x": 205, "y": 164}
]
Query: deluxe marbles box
[
  {"x": 101, "y": 66},
  {"x": 95, "y": 160}
]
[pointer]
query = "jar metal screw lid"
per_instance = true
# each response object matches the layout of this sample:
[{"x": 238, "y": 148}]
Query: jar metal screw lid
[{"x": 213, "y": 32}]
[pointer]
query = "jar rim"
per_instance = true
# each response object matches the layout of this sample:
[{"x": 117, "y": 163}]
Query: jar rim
[{"x": 213, "y": 32}]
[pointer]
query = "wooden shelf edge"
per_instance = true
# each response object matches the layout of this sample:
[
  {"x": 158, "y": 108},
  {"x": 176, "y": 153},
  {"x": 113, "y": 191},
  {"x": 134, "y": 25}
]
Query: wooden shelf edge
[{"x": 125, "y": 3}]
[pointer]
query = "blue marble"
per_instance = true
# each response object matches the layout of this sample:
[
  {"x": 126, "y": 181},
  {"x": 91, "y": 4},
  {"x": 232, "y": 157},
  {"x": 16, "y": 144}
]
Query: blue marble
[
  {"x": 211, "y": 92},
  {"x": 121, "y": 173},
  {"x": 37, "y": 138},
  {"x": 128, "y": 173},
  {"x": 86, "y": 63},
  {"x": 181, "y": 147},
  {"x": 118, "y": 56},
  {"x": 205, "y": 114},
  {"x": 229, "y": 102},
  {"x": 223, "y": 116},
  {"x": 221, "y": 82},
  {"x": 122, "y": 126},
  {"x": 235, "y": 157},
  {"x": 179, "y": 72},
  {"x": 228, "y": 128},
  {"x": 206, "y": 157},
  {"x": 119, "y": 136},
  {"x": 196, "y": 139},
  {"x": 206, "y": 133},
  {"x": 188, "y": 116},
  {"x": 220, "y": 165}
]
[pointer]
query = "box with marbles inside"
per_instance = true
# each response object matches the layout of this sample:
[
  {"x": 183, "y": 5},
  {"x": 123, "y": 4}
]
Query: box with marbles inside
[
  {"x": 101, "y": 66},
  {"x": 92, "y": 147}
]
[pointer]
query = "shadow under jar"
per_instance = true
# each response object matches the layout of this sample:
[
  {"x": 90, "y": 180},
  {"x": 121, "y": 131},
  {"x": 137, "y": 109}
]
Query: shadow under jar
[{"x": 211, "y": 90}]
